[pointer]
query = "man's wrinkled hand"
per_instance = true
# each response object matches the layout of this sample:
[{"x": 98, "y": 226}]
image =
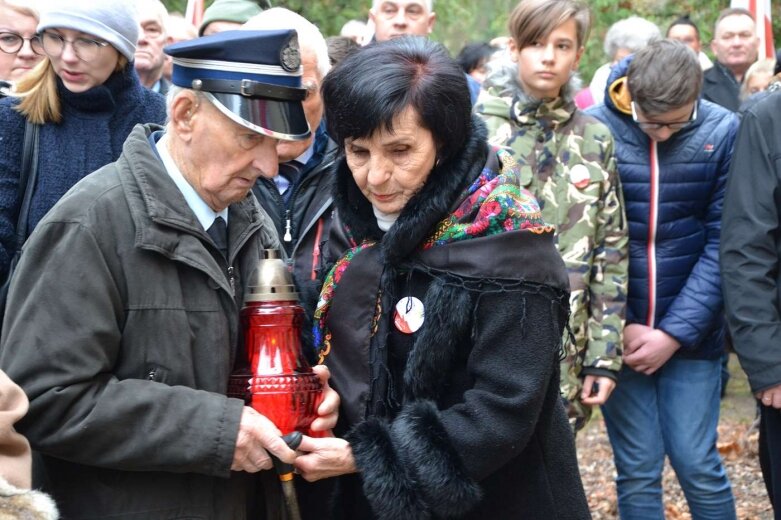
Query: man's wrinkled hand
[{"x": 257, "y": 438}]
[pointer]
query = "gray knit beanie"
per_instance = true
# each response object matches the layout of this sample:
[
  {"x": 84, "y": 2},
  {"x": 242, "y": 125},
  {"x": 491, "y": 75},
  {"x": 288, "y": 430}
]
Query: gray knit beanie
[
  {"x": 238, "y": 11},
  {"x": 112, "y": 20}
]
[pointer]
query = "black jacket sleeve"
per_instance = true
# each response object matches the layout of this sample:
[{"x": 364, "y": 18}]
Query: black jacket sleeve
[{"x": 750, "y": 245}]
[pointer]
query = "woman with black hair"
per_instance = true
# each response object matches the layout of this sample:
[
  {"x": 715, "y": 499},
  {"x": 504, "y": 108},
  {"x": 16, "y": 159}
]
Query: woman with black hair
[{"x": 442, "y": 320}]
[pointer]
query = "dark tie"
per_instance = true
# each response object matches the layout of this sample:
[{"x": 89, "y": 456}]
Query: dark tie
[{"x": 218, "y": 231}]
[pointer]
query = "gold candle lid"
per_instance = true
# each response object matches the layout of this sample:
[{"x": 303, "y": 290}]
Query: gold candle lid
[{"x": 271, "y": 280}]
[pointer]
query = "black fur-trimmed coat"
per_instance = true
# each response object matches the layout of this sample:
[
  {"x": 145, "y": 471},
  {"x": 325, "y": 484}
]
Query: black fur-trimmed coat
[{"x": 463, "y": 418}]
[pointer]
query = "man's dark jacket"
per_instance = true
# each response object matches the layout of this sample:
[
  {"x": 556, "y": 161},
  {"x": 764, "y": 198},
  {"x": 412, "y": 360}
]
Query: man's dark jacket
[
  {"x": 720, "y": 86},
  {"x": 751, "y": 245},
  {"x": 303, "y": 220},
  {"x": 121, "y": 327}
]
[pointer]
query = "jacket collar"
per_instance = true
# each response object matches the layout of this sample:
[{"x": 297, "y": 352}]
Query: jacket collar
[
  {"x": 424, "y": 210},
  {"x": 156, "y": 205}
]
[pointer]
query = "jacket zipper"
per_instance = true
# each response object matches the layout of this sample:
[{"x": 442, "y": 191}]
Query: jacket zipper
[
  {"x": 288, "y": 225},
  {"x": 652, "y": 228}
]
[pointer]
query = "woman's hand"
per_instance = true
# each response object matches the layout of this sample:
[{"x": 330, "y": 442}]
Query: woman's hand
[
  {"x": 328, "y": 411},
  {"x": 324, "y": 458}
]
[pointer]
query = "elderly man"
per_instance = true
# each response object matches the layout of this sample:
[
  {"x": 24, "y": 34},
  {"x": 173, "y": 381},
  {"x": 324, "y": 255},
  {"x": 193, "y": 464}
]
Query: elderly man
[
  {"x": 298, "y": 199},
  {"x": 123, "y": 318},
  {"x": 735, "y": 45},
  {"x": 150, "y": 58},
  {"x": 394, "y": 18}
]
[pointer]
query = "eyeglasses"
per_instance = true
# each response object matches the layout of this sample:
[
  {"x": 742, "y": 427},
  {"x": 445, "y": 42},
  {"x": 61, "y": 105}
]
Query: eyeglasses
[
  {"x": 11, "y": 43},
  {"x": 656, "y": 125},
  {"x": 389, "y": 10},
  {"x": 86, "y": 49}
]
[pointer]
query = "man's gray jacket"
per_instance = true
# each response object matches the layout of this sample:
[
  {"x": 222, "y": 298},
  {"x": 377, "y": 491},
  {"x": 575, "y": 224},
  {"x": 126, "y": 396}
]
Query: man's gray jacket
[{"x": 122, "y": 329}]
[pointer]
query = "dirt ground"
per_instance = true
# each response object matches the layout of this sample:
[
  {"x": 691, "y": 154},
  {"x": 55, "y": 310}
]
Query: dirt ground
[{"x": 737, "y": 444}]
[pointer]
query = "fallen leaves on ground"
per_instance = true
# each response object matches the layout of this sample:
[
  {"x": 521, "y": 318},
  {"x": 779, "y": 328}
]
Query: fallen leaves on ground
[{"x": 737, "y": 445}]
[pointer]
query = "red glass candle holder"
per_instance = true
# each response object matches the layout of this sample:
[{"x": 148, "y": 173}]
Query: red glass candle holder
[{"x": 283, "y": 386}]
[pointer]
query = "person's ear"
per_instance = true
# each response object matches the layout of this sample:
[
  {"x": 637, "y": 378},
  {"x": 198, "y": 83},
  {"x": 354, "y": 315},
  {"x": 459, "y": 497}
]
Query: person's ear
[
  {"x": 512, "y": 49},
  {"x": 432, "y": 19},
  {"x": 579, "y": 55},
  {"x": 184, "y": 110}
]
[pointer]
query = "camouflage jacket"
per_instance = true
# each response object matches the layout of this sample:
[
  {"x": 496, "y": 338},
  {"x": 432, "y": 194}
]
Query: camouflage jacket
[{"x": 566, "y": 159}]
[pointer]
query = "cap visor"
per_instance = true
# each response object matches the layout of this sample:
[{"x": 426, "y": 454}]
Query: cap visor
[{"x": 279, "y": 119}]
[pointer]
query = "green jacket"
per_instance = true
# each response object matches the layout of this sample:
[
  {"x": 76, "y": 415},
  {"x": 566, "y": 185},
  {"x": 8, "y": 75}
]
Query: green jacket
[
  {"x": 122, "y": 329},
  {"x": 565, "y": 158}
]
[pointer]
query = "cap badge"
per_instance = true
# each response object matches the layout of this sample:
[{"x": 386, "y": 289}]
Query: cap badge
[{"x": 290, "y": 55}]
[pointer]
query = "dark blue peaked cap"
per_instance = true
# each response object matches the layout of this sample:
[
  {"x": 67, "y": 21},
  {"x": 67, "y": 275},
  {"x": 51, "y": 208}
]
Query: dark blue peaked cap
[{"x": 253, "y": 77}]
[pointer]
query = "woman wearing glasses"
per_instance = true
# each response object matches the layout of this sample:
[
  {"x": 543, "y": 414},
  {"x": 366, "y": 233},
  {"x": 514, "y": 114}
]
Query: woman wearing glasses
[
  {"x": 85, "y": 95},
  {"x": 673, "y": 152},
  {"x": 18, "y": 23}
]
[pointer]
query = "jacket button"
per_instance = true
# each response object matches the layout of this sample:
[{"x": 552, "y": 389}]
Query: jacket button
[{"x": 213, "y": 284}]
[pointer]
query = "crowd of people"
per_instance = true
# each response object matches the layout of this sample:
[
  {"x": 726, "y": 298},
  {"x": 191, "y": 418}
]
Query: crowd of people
[{"x": 484, "y": 249}]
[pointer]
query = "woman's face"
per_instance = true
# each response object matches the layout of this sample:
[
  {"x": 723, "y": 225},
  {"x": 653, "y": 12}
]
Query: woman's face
[
  {"x": 14, "y": 66},
  {"x": 390, "y": 167},
  {"x": 77, "y": 74},
  {"x": 545, "y": 66}
]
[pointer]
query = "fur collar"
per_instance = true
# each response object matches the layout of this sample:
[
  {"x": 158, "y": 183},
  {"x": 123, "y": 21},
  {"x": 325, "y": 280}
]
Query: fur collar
[{"x": 424, "y": 210}]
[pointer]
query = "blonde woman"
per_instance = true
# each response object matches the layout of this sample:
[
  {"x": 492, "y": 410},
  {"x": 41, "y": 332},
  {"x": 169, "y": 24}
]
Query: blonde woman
[
  {"x": 86, "y": 97},
  {"x": 17, "y": 31}
]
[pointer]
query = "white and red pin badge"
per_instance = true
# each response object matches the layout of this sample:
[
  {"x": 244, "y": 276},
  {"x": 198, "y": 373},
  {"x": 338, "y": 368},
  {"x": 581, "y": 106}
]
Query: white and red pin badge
[
  {"x": 579, "y": 176},
  {"x": 409, "y": 315}
]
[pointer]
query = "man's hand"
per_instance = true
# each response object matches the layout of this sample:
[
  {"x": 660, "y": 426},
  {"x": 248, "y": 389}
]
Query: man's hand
[
  {"x": 328, "y": 411},
  {"x": 257, "y": 437},
  {"x": 631, "y": 334},
  {"x": 771, "y": 397},
  {"x": 605, "y": 384},
  {"x": 650, "y": 351},
  {"x": 324, "y": 458}
]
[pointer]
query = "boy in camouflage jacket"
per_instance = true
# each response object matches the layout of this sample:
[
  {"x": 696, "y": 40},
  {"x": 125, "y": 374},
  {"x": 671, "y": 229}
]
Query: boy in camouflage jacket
[{"x": 566, "y": 159}]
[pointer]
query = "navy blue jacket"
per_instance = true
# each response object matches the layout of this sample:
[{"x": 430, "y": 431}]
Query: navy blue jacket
[
  {"x": 673, "y": 193},
  {"x": 94, "y": 127}
]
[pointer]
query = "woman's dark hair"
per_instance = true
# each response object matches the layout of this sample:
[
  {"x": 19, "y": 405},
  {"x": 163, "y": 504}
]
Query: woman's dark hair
[
  {"x": 377, "y": 83},
  {"x": 474, "y": 55}
]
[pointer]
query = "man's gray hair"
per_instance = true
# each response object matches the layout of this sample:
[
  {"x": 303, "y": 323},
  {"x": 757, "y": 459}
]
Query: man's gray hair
[
  {"x": 429, "y": 4},
  {"x": 664, "y": 76},
  {"x": 631, "y": 33},
  {"x": 309, "y": 36}
]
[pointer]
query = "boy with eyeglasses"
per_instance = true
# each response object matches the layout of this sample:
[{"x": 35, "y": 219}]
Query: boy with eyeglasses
[{"x": 673, "y": 152}]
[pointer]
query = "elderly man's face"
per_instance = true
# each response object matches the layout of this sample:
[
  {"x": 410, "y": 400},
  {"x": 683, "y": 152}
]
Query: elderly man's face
[
  {"x": 735, "y": 43},
  {"x": 223, "y": 158},
  {"x": 152, "y": 38},
  {"x": 313, "y": 107},
  {"x": 393, "y": 18}
]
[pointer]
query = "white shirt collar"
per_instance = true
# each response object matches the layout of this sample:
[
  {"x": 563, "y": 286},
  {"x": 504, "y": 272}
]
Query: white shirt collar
[{"x": 203, "y": 212}]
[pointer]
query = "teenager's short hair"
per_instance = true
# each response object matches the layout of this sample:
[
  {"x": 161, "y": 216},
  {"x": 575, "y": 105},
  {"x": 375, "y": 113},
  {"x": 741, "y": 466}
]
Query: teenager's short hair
[
  {"x": 663, "y": 76},
  {"x": 362, "y": 98},
  {"x": 532, "y": 20}
]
